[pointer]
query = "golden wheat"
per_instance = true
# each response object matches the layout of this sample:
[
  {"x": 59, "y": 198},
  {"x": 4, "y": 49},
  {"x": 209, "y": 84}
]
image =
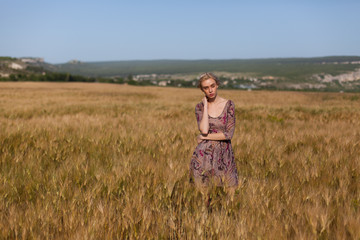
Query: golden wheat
[{"x": 102, "y": 161}]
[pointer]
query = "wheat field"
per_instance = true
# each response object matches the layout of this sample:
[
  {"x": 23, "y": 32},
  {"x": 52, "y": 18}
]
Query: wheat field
[{"x": 103, "y": 161}]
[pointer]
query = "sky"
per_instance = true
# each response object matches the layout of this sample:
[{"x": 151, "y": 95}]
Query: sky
[{"x": 110, "y": 30}]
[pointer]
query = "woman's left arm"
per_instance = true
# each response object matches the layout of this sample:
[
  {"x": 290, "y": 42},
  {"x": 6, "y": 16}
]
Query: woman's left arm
[
  {"x": 212, "y": 136},
  {"x": 229, "y": 128}
]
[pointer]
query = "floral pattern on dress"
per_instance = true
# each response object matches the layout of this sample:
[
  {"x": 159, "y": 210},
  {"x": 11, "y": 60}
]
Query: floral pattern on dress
[{"x": 213, "y": 161}]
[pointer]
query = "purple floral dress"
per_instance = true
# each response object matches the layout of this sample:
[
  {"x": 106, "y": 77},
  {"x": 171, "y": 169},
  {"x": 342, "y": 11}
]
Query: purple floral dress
[{"x": 213, "y": 161}]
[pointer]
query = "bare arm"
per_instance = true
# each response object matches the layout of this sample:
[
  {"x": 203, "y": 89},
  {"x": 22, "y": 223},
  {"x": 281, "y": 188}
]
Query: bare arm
[
  {"x": 204, "y": 122},
  {"x": 229, "y": 128},
  {"x": 213, "y": 136}
]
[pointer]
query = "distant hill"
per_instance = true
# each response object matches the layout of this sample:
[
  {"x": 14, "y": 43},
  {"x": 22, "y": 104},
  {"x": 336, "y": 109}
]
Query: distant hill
[
  {"x": 35, "y": 69},
  {"x": 333, "y": 73},
  {"x": 290, "y": 68}
]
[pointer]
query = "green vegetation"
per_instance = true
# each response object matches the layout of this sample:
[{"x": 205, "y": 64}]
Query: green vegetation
[
  {"x": 294, "y": 69},
  {"x": 301, "y": 74},
  {"x": 35, "y": 73},
  {"x": 6, "y": 58},
  {"x": 58, "y": 77}
]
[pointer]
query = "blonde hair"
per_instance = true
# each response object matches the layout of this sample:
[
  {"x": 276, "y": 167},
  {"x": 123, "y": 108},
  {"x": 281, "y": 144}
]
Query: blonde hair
[{"x": 206, "y": 76}]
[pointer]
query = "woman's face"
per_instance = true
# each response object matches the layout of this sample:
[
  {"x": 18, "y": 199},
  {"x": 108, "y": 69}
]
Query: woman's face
[{"x": 209, "y": 87}]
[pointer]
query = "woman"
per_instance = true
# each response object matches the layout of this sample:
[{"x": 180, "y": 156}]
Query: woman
[{"x": 213, "y": 158}]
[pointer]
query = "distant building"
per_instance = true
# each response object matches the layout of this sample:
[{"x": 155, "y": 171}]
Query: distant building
[
  {"x": 245, "y": 86},
  {"x": 163, "y": 83},
  {"x": 345, "y": 77},
  {"x": 141, "y": 77},
  {"x": 268, "y": 78}
]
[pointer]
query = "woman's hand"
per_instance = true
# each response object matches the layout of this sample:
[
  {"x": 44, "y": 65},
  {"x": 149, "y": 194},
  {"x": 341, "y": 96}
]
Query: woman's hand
[
  {"x": 204, "y": 122},
  {"x": 199, "y": 138},
  {"x": 205, "y": 101}
]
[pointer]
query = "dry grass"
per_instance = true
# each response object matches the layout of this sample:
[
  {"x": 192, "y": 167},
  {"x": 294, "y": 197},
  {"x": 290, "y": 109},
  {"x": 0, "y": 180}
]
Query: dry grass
[{"x": 98, "y": 161}]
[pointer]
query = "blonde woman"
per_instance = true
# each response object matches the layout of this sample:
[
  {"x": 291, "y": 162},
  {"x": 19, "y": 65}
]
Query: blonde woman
[{"x": 213, "y": 159}]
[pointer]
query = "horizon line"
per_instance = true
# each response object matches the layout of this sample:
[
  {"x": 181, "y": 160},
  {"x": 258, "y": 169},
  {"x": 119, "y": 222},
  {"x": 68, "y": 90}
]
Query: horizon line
[{"x": 204, "y": 59}]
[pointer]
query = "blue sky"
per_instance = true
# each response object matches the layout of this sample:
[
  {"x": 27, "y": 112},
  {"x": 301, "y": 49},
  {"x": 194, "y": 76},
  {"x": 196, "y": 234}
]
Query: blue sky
[{"x": 107, "y": 30}]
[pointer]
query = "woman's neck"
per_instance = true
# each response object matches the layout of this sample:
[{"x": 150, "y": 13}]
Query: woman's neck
[{"x": 215, "y": 100}]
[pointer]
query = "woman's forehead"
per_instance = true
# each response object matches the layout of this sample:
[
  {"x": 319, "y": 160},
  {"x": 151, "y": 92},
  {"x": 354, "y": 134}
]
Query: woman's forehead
[{"x": 208, "y": 82}]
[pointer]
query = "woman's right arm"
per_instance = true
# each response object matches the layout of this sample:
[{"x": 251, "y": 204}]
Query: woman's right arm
[{"x": 204, "y": 121}]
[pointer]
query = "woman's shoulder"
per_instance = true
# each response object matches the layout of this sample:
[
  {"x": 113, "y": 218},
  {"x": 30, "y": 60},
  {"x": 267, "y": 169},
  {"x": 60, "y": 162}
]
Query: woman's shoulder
[
  {"x": 229, "y": 102},
  {"x": 199, "y": 106},
  {"x": 230, "y": 107}
]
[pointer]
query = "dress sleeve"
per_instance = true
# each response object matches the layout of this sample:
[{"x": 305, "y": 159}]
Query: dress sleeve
[
  {"x": 230, "y": 124},
  {"x": 198, "y": 113}
]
